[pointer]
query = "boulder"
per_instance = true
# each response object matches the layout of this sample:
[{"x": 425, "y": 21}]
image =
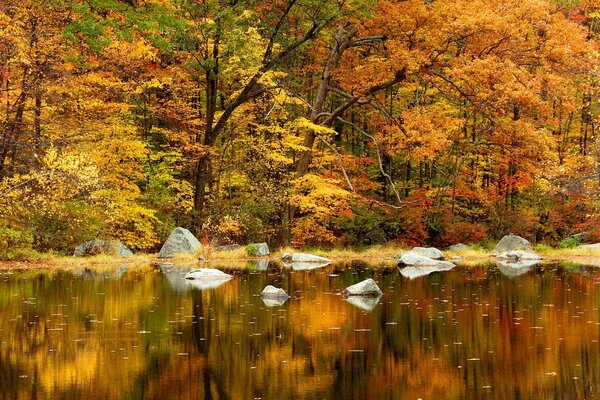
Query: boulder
[
  {"x": 416, "y": 272},
  {"x": 208, "y": 274},
  {"x": 518, "y": 255},
  {"x": 304, "y": 258},
  {"x": 302, "y": 266},
  {"x": 180, "y": 241},
  {"x": 589, "y": 246},
  {"x": 411, "y": 258},
  {"x": 458, "y": 247},
  {"x": 368, "y": 288},
  {"x": 260, "y": 249},
  {"x": 97, "y": 246},
  {"x": 430, "y": 252},
  {"x": 511, "y": 243},
  {"x": 273, "y": 293}
]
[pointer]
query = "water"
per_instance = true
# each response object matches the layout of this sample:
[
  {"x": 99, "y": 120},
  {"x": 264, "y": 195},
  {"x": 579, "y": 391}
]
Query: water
[{"x": 143, "y": 333}]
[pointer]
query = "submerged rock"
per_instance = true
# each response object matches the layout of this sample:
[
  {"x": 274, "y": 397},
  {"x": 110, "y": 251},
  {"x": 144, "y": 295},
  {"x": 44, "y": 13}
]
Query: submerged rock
[
  {"x": 512, "y": 243},
  {"x": 412, "y": 258},
  {"x": 274, "y": 293},
  {"x": 304, "y": 257},
  {"x": 429, "y": 252},
  {"x": 180, "y": 241},
  {"x": 416, "y": 272},
  {"x": 261, "y": 249},
  {"x": 368, "y": 287},
  {"x": 98, "y": 246},
  {"x": 208, "y": 274},
  {"x": 363, "y": 302}
]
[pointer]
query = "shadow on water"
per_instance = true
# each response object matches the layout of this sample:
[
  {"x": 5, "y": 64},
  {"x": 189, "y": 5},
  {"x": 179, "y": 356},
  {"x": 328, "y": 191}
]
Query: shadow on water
[{"x": 488, "y": 331}]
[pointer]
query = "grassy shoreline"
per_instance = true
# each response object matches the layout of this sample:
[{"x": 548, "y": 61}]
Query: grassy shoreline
[{"x": 378, "y": 255}]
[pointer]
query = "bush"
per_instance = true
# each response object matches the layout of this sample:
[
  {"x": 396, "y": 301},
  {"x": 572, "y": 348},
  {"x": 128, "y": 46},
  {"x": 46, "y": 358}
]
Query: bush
[
  {"x": 252, "y": 250},
  {"x": 569, "y": 243}
]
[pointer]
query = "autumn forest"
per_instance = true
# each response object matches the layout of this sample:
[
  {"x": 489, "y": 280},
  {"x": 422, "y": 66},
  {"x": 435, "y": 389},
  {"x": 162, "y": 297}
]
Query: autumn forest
[{"x": 302, "y": 122}]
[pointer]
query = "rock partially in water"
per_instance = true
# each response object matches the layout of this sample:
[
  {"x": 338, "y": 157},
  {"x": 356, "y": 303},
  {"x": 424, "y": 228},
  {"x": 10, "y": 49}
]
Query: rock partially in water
[
  {"x": 367, "y": 288},
  {"x": 458, "y": 247},
  {"x": 363, "y": 302},
  {"x": 304, "y": 258},
  {"x": 180, "y": 241},
  {"x": 206, "y": 284},
  {"x": 412, "y": 258},
  {"x": 98, "y": 246},
  {"x": 429, "y": 252},
  {"x": 272, "y": 292},
  {"x": 208, "y": 274},
  {"x": 518, "y": 255},
  {"x": 303, "y": 266},
  {"x": 416, "y": 272},
  {"x": 512, "y": 243},
  {"x": 261, "y": 249}
]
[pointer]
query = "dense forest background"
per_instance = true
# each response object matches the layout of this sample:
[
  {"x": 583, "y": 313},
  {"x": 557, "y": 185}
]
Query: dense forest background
[{"x": 304, "y": 122}]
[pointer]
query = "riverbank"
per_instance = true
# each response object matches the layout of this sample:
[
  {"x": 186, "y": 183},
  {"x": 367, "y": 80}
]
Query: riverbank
[{"x": 376, "y": 255}]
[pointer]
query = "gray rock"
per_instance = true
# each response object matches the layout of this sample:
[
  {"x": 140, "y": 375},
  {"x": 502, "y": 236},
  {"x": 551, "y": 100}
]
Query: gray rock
[
  {"x": 411, "y": 258},
  {"x": 368, "y": 287},
  {"x": 262, "y": 249},
  {"x": 180, "y": 241},
  {"x": 97, "y": 246},
  {"x": 304, "y": 258},
  {"x": 364, "y": 303},
  {"x": 589, "y": 246},
  {"x": 208, "y": 274},
  {"x": 417, "y": 272},
  {"x": 458, "y": 247},
  {"x": 511, "y": 243},
  {"x": 430, "y": 252},
  {"x": 273, "y": 293},
  {"x": 206, "y": 284},
  {"x": 518, "y": 255}
]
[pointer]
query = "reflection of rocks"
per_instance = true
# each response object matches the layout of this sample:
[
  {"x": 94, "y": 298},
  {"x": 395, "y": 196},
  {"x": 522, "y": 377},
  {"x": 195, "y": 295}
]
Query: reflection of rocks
[
  {"x": 364, "y": 303},
  {"x": 97, "y": 246},
  {"x": 272, "y": 292},
  {"x": 257, "y": 265},
  {"x": 368, "y": 287},
  {"x": 180, "y": 241},
  {"x": 515, "y": 268},
  {"x": 429, "y": 252},
  {"x": 512, "y": 243},
  {"x": 205, "y": 284},
  {"x": 418, "y": 271},
  {"x": 518, "y": 255},
  {"x": 176, "y": 277},
  {"x": 304, "y": 258},
  {"x": 301, "y": 266},
  {"x": 271, "y": 302},
  {"x": 121, "y": 271},
  {"x": 415, "y": 259},
  {"x": 208, "y": 274}
]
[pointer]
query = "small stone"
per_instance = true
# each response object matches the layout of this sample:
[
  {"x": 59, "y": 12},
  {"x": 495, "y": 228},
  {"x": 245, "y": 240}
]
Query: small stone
[
  {"x": 411, "y": 258},
  {"x": 272, "y": 292},
  {"x": 303, "y": 257}
]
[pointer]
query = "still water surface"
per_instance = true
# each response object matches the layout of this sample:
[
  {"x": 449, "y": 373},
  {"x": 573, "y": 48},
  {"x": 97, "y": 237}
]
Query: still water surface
[{"x": 144, "y": 333}]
